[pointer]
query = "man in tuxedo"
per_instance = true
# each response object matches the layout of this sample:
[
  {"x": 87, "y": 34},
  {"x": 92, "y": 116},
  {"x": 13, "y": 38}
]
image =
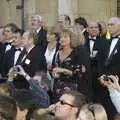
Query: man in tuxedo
[
  {"x": 7, "y": 36},
  {"x": 109, "y": 63},
  {"x": 92, "y": 41},
  {"x": 37, "y": 27},
  {"x": 11, "y": 57},
  {"x": 34, "y": 61},
  {"x": 94, "y": 46}
]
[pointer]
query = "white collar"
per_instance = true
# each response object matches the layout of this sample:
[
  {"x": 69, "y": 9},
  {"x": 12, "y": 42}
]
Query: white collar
[
  {"x": 38, "y": 29},
  {"x": 83, "y": 30},
  {"x": 30, "y": 49}
]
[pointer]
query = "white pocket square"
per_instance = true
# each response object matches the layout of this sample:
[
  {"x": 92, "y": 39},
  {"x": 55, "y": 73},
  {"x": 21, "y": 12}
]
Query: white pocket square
[
  {"x": 115, "y": 52},
  {"x": 27, "y": 61}
]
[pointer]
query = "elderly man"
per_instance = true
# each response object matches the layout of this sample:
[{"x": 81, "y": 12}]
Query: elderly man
[
  {"x": 37, "y": 27},
  {"x": 109, "y": 63}
]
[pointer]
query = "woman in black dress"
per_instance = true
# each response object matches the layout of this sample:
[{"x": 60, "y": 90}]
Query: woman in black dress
[{"x": 71, "y": 66}]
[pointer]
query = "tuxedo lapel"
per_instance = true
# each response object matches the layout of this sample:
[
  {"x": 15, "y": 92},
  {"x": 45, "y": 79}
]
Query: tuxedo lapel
[
  {"x": 87, "y": 45},
  {"x": 12, "y": 57},
  {"x": 19, "y": 60},
  {"x": 108, "y": 60},
  {"x": 108, "y": 49}
]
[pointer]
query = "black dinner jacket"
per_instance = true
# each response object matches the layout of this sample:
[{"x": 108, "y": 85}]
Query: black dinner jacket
[
  {"x": 42, "y": 40},
  {"x": 34, "y": 62},
  {"x": 112, "y": 64},
  {"x": 8, "y": 61}
]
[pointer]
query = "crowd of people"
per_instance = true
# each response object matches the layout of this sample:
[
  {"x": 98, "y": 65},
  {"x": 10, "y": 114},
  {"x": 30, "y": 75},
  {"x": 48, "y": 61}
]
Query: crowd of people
[{"x": 66, "y": 72}]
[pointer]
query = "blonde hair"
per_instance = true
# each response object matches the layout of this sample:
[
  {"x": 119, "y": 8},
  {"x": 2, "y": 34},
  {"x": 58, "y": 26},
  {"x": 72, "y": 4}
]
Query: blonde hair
[
  {"x": 94, "y": 112},
  {"x": 76, "y": 37}
]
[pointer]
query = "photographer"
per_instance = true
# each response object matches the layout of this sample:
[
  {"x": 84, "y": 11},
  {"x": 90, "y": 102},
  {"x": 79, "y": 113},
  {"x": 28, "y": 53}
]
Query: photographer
[
  {"x": 111, "y": 82},
  {"x": 36, "y": 96}
]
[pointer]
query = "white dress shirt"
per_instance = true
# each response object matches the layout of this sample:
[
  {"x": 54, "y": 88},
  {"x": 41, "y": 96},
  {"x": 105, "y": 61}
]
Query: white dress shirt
[
  {"x": 113, "y": 43},
  {"x": 115, "y": 97},
  {"x": 17, "y": 53},
  {"x": 91, "y": 43},
  {"x": 8, "y": 47},
  {"x": 49, "y": 54}
]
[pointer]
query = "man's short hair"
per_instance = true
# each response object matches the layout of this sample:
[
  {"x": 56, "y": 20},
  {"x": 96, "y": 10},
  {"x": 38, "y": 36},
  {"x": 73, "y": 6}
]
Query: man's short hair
[
  {"x": 79, "y": 98},
  {"x": 12, "y": 26},
  {"x": 81, "y": 21},
  {"x": 19, "y": 31},
  {"x": 40, "y": 18}
]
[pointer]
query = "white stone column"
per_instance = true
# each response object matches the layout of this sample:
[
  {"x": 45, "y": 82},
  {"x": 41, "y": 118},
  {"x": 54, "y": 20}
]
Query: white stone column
[
  {"x": 65, "y": 7},
  {"x": 30, "y": 8}
]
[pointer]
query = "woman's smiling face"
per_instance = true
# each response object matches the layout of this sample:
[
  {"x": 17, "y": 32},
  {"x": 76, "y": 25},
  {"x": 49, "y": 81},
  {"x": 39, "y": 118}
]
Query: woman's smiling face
[{"x": 65, "y": 39}]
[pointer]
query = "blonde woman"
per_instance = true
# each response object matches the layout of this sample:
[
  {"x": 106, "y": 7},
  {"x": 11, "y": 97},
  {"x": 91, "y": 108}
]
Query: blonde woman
[
  {"x": 71, "y": 71},
  {"x": 52, "y": 47},
  {"x": 92, "y": 112}
]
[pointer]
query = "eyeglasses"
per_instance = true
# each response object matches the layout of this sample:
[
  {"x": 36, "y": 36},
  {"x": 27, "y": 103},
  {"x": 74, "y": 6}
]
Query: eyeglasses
[{"x": 65, "y": 103}]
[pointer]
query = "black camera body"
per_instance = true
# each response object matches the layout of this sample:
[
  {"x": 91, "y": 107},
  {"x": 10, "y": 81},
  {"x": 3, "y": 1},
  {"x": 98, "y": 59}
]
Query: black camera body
[
  {"x": 106, "y": 78},
  {"x": 16, "y": 69}
]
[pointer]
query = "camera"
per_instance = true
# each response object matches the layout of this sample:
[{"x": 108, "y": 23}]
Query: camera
[
  {"x": 16, "y": 69},
  {"x": 106, "y": 78}
]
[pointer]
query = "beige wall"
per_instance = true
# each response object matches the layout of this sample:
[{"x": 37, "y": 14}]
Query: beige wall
[
  {"x": 97, "y": 9},
  {"x": 91, "y": 9},
  {"x": 8, "y": 12}
]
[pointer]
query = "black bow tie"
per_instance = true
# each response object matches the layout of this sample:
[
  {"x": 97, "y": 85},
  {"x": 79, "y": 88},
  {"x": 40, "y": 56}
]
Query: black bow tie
[
  {"x": 9, "y": 43},
  {"x": 93, "y": 39},
  {"x": 116, "y": 37},
  {"x": 17, "y": 49}
]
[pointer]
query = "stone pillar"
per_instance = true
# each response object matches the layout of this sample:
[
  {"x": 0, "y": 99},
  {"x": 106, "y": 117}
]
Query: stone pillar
[{"x": 65, "y": 7}]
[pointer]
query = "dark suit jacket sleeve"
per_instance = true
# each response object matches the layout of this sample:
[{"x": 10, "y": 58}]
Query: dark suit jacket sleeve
[
  {"x": 7, "y": 63},
  {"x": 85, "y": 83}
]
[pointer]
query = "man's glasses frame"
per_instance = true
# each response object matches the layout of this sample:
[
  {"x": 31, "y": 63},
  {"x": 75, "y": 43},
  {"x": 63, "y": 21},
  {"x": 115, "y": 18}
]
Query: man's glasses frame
[{"x": 65, "y": 103}]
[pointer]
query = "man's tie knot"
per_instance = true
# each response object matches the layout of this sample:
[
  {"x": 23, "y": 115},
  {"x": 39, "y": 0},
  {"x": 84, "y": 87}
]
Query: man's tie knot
[
  {"x": 116, "y": 37},
  {"x": 92, "y": 39},
  {"x": 17, "y": 49},
  {"x": 8, "y": 43}
]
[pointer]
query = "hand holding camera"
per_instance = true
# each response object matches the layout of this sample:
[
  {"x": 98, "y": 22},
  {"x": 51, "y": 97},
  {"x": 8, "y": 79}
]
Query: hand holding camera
[
  {"x": 14, "y": 71},
  {"x": 110, "y": 81}
]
